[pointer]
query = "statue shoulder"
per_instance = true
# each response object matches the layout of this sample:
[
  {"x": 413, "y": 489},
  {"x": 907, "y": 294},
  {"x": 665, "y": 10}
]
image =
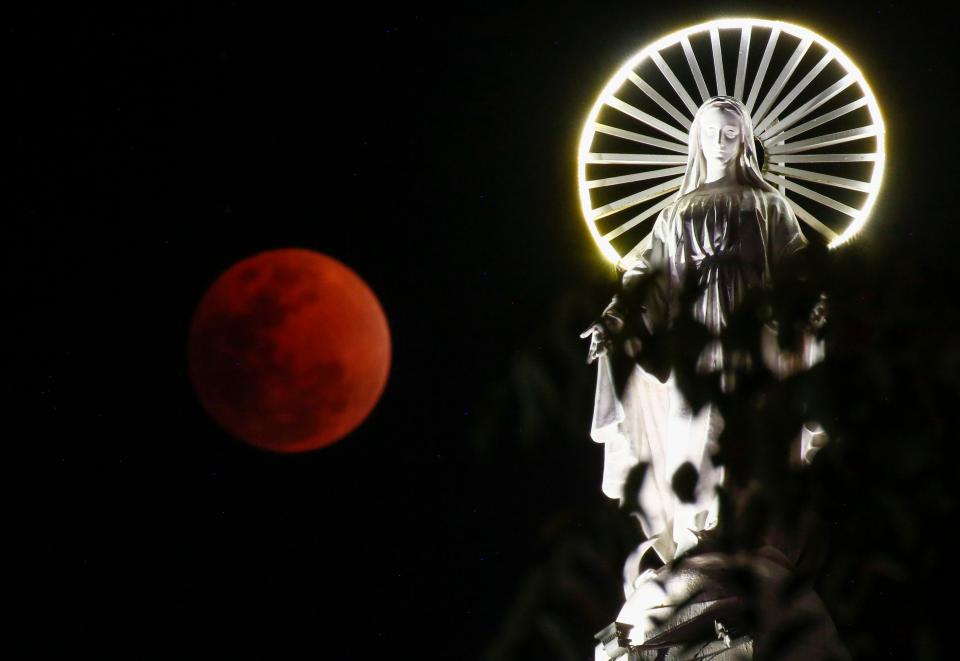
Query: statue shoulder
[
  {"x": 665, "y": 224},
  {"x": 775, "y": 207},
  {"x": 786, "y": 235},
  {"x": 775, "y": 204}
]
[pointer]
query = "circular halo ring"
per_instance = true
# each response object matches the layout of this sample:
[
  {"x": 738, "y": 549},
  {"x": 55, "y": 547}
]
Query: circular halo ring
[{"x": 798, "y": 119}]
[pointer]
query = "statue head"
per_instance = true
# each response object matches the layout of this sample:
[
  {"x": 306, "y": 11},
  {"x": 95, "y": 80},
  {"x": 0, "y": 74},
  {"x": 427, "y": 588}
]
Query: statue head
[{"x": 723, "y": 133}]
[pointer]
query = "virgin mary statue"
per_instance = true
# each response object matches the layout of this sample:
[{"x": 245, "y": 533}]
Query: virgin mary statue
[{"x": 730, "y": 229}]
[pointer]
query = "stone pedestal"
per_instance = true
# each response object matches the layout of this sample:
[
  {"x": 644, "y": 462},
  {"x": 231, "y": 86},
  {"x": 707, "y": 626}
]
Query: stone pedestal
[{"x": 696, "y": 631}]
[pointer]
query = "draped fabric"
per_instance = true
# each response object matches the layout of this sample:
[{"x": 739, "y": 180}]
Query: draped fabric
[{"x": 732, "y": 238}]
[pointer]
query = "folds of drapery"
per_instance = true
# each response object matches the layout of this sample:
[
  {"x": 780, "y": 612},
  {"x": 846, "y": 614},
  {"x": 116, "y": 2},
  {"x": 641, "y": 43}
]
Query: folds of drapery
[
  {"x": 734, "y": 239},
  {"x": 652, "y": 423}
]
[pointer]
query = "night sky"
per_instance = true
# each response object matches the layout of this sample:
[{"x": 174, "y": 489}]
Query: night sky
[{"x": 432, "y": 151}]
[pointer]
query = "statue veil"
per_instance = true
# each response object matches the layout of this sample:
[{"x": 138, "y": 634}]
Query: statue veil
[{"x": 747, "y": 164}]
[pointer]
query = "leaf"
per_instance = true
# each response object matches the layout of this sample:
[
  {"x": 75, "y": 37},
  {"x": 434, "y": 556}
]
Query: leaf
[
  {"x": 684, "y": 482},
  {"x": 632, "y": 486}
]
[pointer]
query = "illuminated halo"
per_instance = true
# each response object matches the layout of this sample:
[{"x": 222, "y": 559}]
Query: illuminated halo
[{"x": 808, "y": 102}]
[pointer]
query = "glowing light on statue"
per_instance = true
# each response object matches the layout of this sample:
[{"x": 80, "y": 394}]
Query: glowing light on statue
[
  {"x": 677, "y": 188},
  {"x": 792, "y": 115}
]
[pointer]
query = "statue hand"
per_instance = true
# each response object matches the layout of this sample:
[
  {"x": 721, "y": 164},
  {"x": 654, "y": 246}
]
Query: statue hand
[
  {"x": 599, "y": 340},
  {"x": 818, "y": 316},
  {"x": 601, "y": 334}
]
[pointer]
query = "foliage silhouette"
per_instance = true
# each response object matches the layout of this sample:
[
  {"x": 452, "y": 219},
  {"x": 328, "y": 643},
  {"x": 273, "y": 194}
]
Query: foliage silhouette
[{"x": 857, "y": 523}]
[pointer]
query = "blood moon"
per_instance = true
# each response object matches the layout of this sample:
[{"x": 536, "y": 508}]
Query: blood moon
[{"x": 289, "y": 350}]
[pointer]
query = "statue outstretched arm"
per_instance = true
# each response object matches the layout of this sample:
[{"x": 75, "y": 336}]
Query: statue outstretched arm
[{"x": 639, "y": 294}]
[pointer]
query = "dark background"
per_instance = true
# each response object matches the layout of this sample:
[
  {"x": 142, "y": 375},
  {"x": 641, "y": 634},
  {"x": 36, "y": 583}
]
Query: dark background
[{"x": 433, "y": 151}]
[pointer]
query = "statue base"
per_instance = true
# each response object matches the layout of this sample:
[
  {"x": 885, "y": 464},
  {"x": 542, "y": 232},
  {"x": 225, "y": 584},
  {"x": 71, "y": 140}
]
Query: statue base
[
  {"x": 696, "y": 631},
  {"x": 721, "y": 606}
]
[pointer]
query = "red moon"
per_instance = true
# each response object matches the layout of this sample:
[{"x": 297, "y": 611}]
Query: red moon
[{"x": 289, "y": 350}]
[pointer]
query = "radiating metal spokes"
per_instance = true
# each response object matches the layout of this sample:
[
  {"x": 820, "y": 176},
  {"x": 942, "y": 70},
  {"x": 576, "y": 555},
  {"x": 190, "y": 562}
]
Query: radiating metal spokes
[{"x": 816, "y": 120}]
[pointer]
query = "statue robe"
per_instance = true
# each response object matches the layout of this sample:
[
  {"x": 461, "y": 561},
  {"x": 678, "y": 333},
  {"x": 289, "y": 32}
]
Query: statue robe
[{"x": 732, "y": 238}]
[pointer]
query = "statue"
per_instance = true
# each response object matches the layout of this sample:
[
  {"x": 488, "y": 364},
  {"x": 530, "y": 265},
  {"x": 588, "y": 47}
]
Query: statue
[{"x": 729, "y": 229}]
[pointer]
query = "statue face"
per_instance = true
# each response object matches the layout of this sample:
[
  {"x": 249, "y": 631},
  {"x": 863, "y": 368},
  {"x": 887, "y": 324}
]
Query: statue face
[{"x": 719, "y": 135}]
